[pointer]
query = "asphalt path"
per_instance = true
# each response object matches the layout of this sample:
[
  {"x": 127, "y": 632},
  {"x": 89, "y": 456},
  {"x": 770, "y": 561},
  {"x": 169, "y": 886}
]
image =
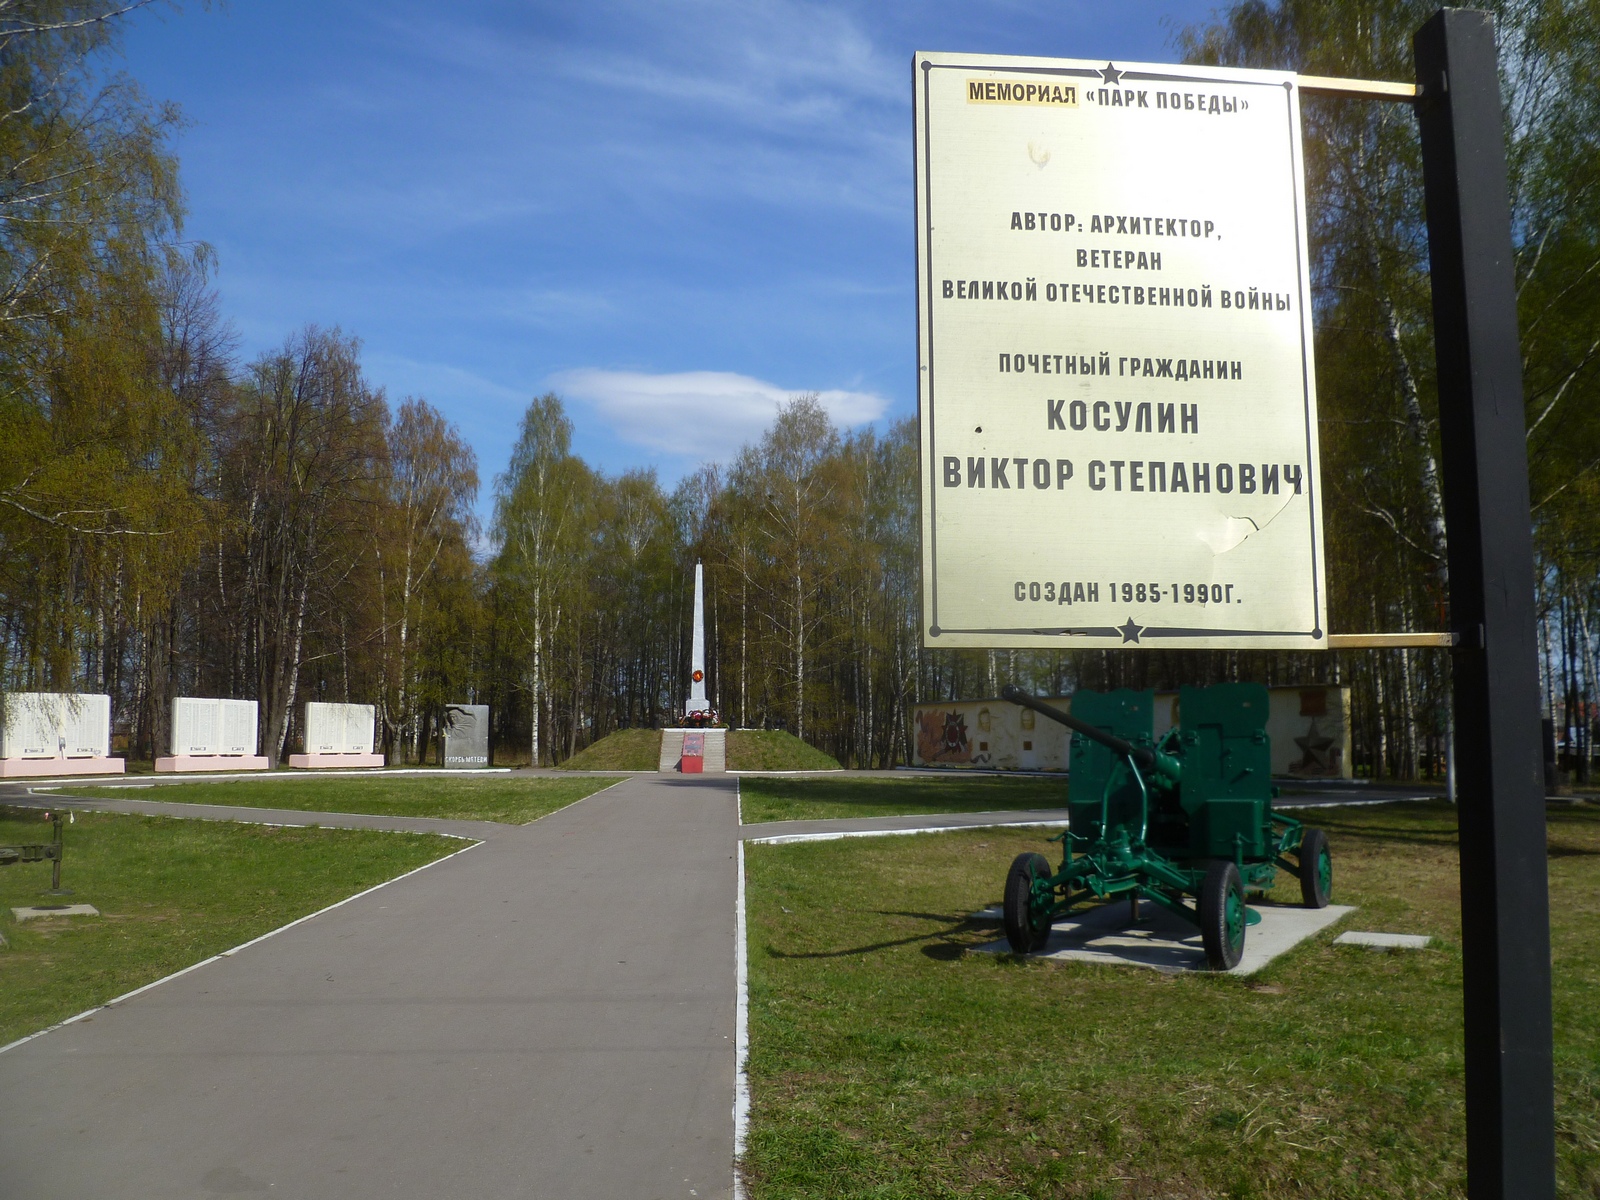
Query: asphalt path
[{"x": 547, "y": 1014}]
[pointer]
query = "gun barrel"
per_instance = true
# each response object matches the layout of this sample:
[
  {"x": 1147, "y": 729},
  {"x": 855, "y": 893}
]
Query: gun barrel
[
  {"x": 1140, "y": 754},
  {"x": 1146, "y": 758}
]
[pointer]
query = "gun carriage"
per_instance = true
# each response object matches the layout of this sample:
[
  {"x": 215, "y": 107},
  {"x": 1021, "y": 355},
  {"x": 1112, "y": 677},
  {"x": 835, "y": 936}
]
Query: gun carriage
[
  {"x": 49, "y": 852},
  {"x": 1186, "y": 823}
]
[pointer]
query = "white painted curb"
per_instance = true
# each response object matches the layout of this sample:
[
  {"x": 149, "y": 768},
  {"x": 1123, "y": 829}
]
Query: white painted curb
[
  {"x": 741, "y": 1025},
  {"x": 785, "y": 839},
  {"x": 1279, "y": 804}
]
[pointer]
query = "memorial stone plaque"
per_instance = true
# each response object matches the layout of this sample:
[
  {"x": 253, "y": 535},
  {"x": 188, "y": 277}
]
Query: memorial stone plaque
[
  {"x": 360, "y": 722},
  {"x": 239, "y": 725},
  {"x": 466, "y": 736},
  {"x": 202, "y": 727},
  {"x": 56, "y": 725},
  {"x": 194, "y": 725},
  {"x": 28, "y": 726},
  {"x": 339, "y": 728},
  {"x": 1118, "y": 415},
  {"x": 87, "y": 722},
  {"x": 324, "y": 729}
]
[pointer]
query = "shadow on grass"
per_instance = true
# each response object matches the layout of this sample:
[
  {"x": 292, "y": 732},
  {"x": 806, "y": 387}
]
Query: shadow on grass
[
  {"x": 1417, "y": 835},
  {"x": 946, "y": 950},
  {"x": 1441, "y": 841},
  {"x": 1448, "y": 837},
  {"x": 1559, "y": 851}
]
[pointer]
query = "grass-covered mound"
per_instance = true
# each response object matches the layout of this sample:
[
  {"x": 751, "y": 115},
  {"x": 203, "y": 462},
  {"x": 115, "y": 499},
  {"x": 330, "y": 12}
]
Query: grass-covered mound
[
  {"x": 625, "y": 750},
  {"x": 774, "y": 750}
]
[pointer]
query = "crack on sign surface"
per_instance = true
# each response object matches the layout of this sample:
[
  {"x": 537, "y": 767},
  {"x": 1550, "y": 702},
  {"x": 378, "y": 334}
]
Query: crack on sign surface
[{"x": 1229, "y": 533}]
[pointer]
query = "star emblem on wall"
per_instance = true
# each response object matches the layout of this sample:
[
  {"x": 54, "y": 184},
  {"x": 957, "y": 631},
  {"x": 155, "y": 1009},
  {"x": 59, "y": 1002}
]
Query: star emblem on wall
[
  {"x": 1110, "y": 74},
  {"x": 1131, "y": 631},
  {"x": 1314, "y": 747}
]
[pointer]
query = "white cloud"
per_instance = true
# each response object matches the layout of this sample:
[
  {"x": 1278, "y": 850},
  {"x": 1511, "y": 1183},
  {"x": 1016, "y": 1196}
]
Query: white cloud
[{"x": 706, "y": 415}]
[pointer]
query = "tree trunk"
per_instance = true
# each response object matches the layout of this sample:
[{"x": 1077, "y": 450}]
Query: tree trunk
[
  {"x": 538, "y": 681},
  {"x": 744, "y": 645},
  {"x": 799, "y": 659},
  {"x": 293, "y": 671}
]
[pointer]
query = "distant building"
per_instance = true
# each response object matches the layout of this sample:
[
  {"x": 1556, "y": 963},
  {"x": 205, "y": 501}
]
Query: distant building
[
  {"x": 1309, "y": 728},
  {"x": 991, "y": 735}
]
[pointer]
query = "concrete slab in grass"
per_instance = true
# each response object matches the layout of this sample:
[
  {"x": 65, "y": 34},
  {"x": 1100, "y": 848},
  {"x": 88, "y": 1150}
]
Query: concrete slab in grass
[
  {"x": 1163, "y": 941},
  {"x": 1384, "y": 941},
  {"x": 28, "y": 912}
]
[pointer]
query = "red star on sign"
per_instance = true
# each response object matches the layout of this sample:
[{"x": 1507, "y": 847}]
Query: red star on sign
[{"x": 699, "y": 675}]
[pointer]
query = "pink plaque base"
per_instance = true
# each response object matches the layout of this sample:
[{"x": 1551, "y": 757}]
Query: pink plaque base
[
  {"x": 18, "y": 768},
  {"x": 212, "y": 762},
  {"x": 321, "y": 762}
]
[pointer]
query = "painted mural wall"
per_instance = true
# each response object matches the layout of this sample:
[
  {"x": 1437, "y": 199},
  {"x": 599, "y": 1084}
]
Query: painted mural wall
[
  {"x": 1309, "y": 728},
  {"x": 991, "y": 735}
]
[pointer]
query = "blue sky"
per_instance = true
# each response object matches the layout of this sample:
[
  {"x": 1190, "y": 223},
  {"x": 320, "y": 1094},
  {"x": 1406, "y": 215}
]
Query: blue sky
[{"x": 674, "y": 214}]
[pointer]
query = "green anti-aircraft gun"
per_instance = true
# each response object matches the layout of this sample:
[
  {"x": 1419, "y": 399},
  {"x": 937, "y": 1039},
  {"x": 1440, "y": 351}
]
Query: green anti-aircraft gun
[{"x": 1189, "y": 816}]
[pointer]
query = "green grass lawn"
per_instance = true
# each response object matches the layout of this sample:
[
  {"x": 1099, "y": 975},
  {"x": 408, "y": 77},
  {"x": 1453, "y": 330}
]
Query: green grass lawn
[
  {"x": 170, "y": 893},
  {"x": 510, "y": 799},
  {"x": 886, "y": 1062},
  {"x": 625, "y": 750},
  {"x": 888, "y": 795}
]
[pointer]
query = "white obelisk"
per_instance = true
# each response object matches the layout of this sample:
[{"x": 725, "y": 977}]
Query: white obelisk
[{"x": 697, "y": 660}]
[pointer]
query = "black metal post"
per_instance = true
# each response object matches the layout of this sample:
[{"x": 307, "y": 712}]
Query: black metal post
[
  {"x": 55, "y": 866},
  {"x": 1505, "y": 903}
]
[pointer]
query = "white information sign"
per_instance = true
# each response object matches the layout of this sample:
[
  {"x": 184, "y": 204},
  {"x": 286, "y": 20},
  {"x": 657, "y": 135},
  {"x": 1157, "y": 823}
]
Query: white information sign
[{"x": 1119, "y": 427}]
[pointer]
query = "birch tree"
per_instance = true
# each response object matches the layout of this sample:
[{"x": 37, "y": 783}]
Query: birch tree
[
  {"x": 536, "y": 534},
  {"x": 430, "y": 479}
]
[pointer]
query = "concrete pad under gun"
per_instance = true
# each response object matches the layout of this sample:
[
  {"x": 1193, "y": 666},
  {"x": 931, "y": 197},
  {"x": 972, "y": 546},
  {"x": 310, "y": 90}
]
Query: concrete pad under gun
[{"x": 1163, "y": 941}]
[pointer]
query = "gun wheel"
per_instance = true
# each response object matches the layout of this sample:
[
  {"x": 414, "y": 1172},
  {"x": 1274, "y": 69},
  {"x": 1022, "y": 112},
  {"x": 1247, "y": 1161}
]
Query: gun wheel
[
  {"x": 1022, "y": 931},
  {"x": 1222, "y": 915},
  {"x": 1316, "y": 869}
]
